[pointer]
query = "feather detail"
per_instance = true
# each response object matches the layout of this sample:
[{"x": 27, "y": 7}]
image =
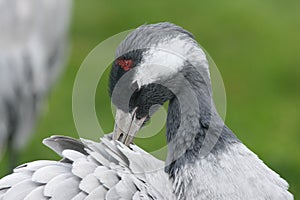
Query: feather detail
[{"x": 93, "y": 171}]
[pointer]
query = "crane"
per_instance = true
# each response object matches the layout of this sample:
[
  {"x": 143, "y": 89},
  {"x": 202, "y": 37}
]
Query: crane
[{"x": 154, "y": 64}]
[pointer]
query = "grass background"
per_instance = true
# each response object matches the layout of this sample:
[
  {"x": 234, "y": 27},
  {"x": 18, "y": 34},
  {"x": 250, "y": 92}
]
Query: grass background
[{"x": 255, "y": 45}]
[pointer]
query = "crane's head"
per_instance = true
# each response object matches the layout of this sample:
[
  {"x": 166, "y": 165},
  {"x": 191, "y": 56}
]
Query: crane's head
[{"x": 147, "y": 72}]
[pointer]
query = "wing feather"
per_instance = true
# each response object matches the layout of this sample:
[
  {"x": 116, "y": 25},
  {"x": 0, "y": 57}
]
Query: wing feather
[
  {"x": 37, "y": 193},
  {"x": 104, "y": 170},
  {"x": 45, "y": 174},
  {"x": 67, "y": 189},
  {"x": 13, "y": 179},
  {"x": 107, "y": 177},
  {"x": 80, "y": 196},
  {"x": 125, "y": 188},
  {"x": 98, "y": 193},
  {"x": 73, "y": 155},
  {"x": 20, "y": 190},
  {"x": 82, "y": 168},
  {"x": 51, "y": 185},
  {"x": 89, "y": 183}
]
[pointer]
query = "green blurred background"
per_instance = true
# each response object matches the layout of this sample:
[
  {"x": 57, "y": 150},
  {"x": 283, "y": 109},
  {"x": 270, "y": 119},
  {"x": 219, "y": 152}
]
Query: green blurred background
[{"x": 255, "y": 45}]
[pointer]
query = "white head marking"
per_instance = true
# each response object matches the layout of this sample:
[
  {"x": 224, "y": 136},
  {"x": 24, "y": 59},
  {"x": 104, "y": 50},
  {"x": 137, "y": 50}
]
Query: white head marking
[{"x": 164, "y": 60}]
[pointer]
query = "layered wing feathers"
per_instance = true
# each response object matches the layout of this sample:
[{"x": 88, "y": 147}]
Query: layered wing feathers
[{"x": 89, "y": 170}]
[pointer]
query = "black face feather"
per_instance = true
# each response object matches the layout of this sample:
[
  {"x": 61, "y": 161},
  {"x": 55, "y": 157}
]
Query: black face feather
[
  {"x": 117, "y": 71},
  {"x": 143, "y": 98},
  {"x": 148, "y": 96}
]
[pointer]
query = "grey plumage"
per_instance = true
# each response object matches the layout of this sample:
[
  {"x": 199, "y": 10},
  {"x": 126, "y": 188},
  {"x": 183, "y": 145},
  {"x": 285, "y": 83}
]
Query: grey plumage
[
  {"x": 107, "y": 170},
  {"x": 33, "y": 40},
  {"x": 205, "y": 159},
  {"x": 110, "y": 170}
]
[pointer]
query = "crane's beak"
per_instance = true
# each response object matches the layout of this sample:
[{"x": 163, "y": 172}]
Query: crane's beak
[{"x": 126, "y": 126}]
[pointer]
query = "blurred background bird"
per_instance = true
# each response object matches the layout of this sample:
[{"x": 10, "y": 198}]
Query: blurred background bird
[
  {"x": 255, "y": 45},
  {"x": 33, "y": 49}
]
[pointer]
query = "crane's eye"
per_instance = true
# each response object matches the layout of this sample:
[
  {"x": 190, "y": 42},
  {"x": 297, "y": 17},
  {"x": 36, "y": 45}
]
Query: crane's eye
[{"x": 125, "y": 64}]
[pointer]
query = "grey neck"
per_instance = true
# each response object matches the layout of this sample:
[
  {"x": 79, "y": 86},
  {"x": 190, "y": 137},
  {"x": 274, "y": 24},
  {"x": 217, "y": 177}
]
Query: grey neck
[{"x": 194, "y": 128}]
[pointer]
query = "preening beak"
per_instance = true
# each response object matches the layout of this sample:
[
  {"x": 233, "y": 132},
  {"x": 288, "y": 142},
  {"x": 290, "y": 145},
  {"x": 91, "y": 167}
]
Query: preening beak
[{"x": 126, "y": 126}]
